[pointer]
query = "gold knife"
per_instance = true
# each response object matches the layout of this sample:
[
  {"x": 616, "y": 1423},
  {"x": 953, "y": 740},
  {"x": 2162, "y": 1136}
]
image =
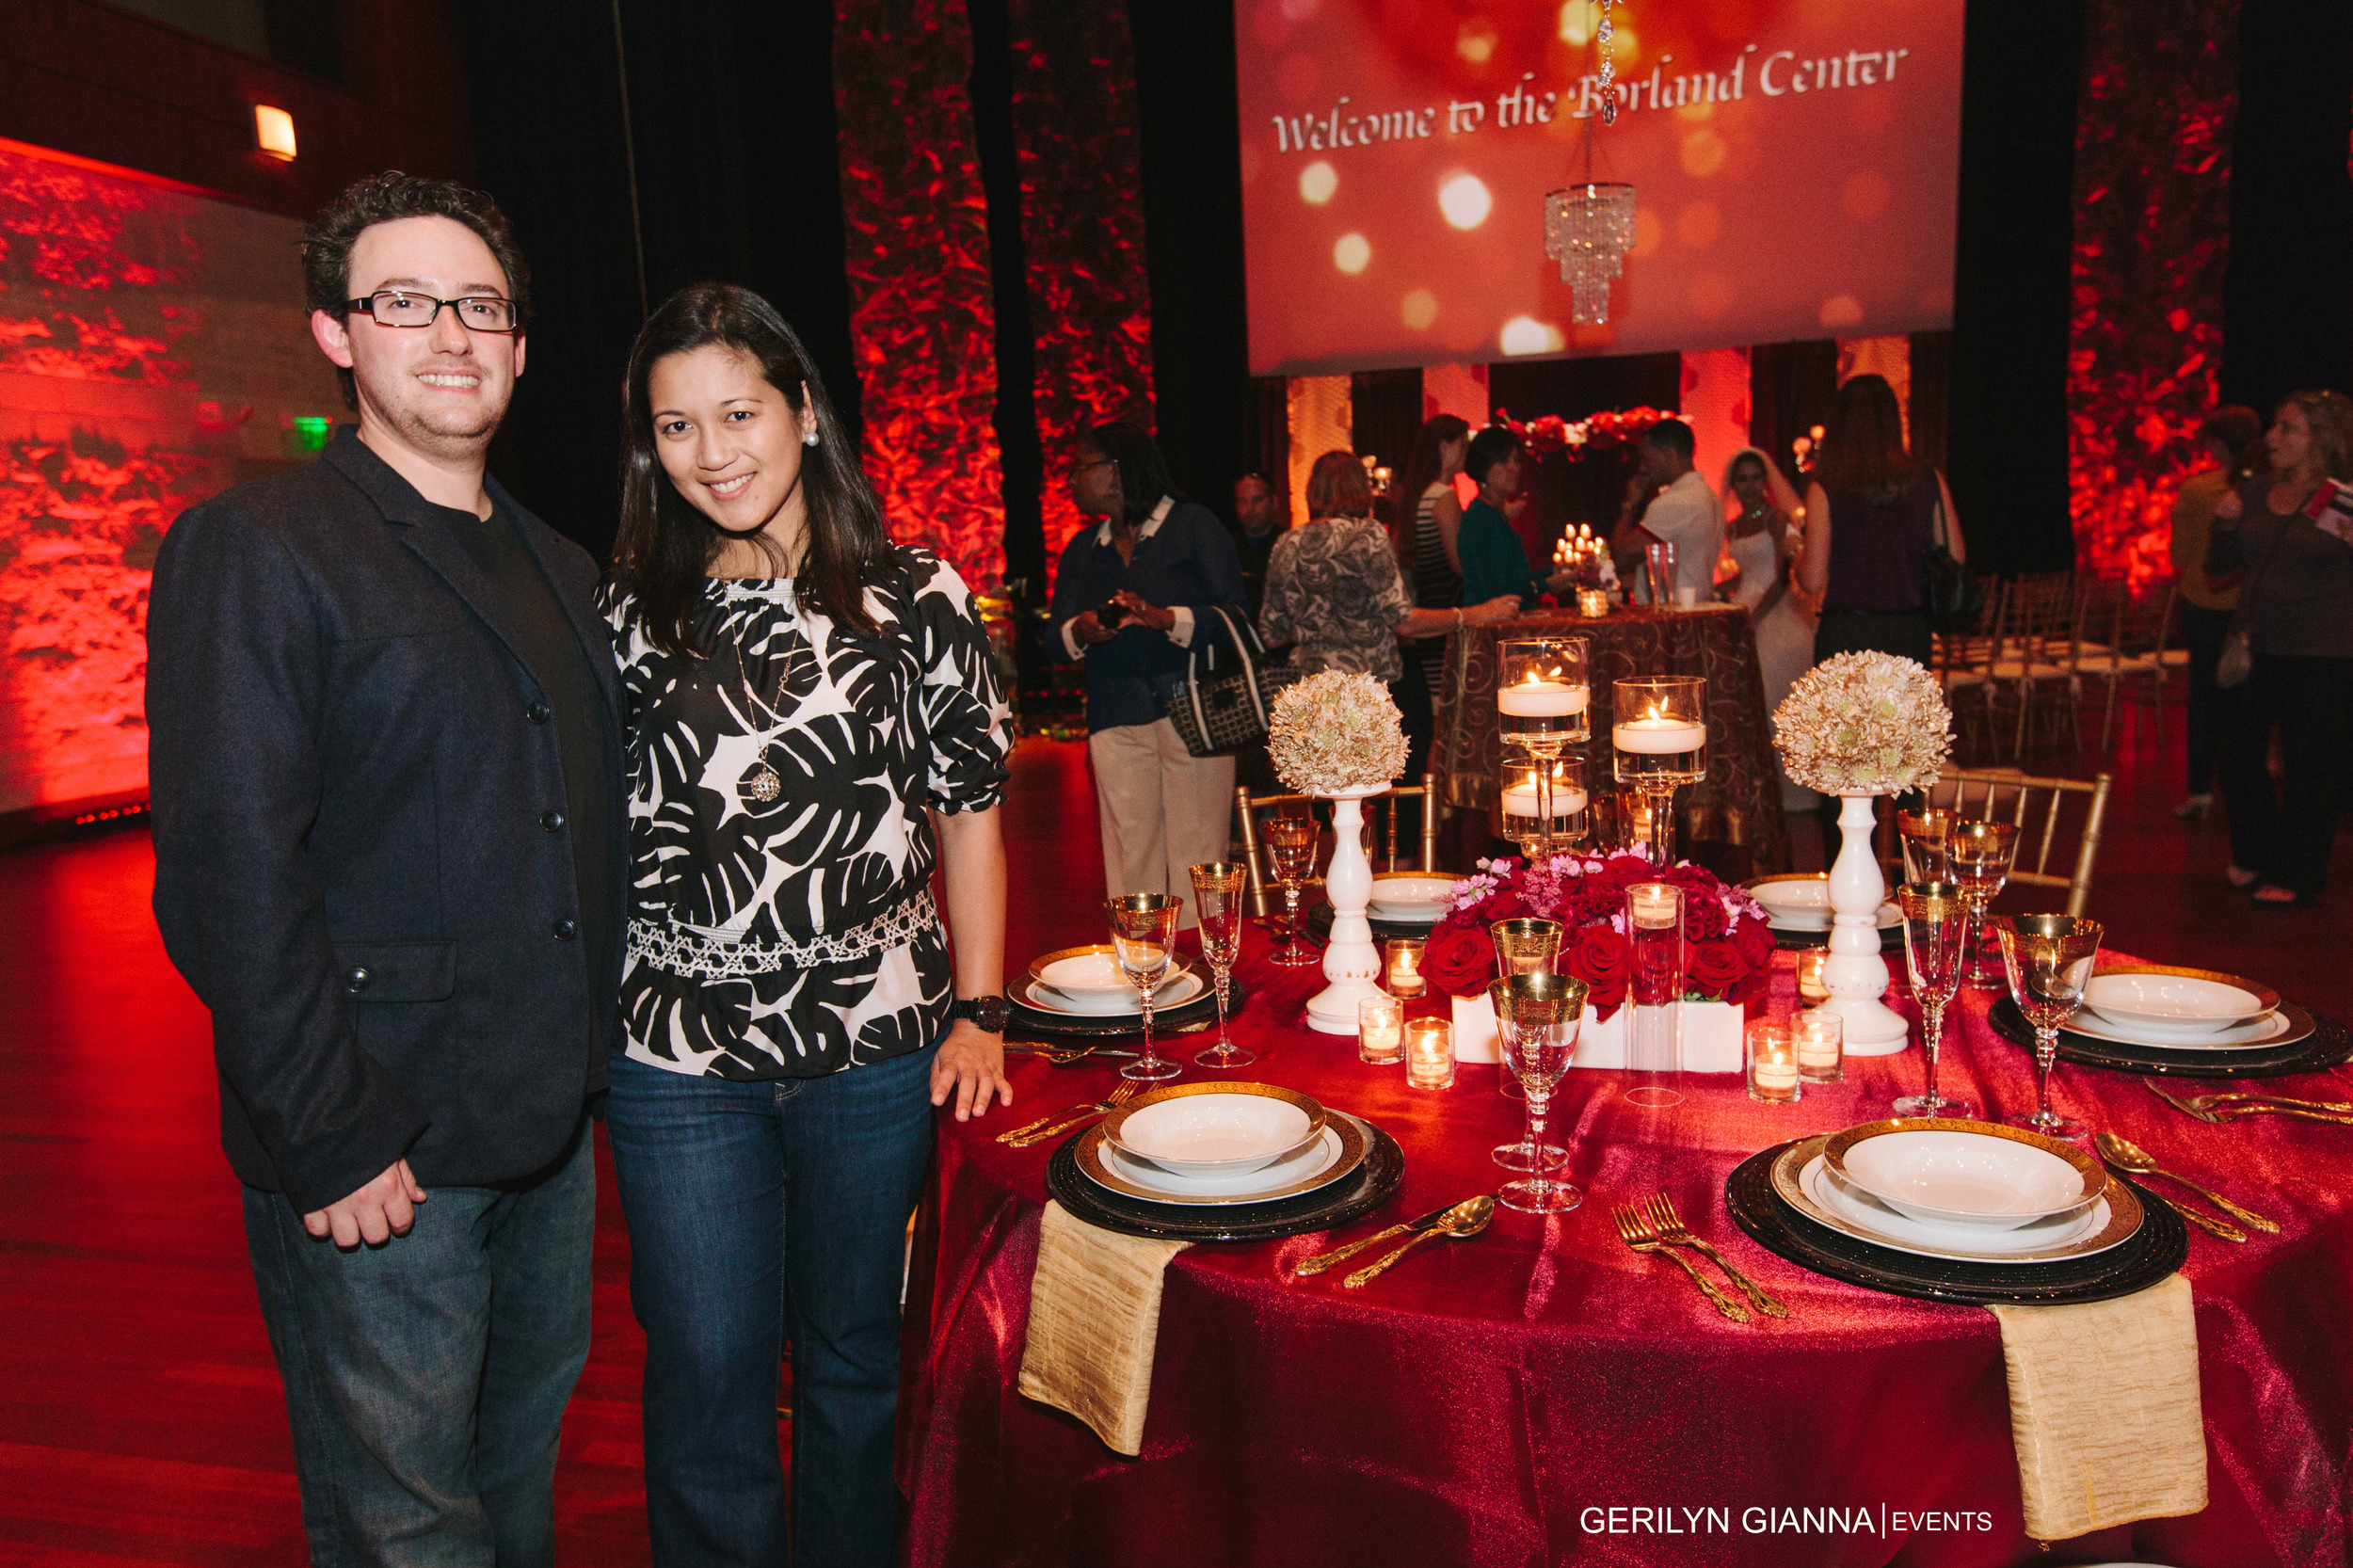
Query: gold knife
[{"x": 1323, "y": 1260}]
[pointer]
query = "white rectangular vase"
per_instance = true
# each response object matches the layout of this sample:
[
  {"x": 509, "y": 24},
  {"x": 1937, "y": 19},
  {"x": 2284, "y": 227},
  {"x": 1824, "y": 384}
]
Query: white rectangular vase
[{"x": 1712, "y": 1033}]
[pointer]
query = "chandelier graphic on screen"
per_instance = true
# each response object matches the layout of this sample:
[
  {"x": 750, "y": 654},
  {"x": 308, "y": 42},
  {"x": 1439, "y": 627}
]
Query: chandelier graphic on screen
[{"x": 1588, "y": 230}]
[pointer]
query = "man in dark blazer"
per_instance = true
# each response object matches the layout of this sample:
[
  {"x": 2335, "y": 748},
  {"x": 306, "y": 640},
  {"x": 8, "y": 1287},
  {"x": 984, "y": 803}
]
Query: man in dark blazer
[{"x": 389, "y": 857}]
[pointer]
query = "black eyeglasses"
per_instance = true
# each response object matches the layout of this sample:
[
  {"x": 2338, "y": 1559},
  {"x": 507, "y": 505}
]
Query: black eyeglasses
[{"x": 482, "y": 313}]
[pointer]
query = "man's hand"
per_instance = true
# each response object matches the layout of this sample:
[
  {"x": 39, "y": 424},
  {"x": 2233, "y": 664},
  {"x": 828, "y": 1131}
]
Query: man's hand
[
  {"x": 971, "y": 1066},
  {"x": 375, "y": 1214},
  {"x": 1084, "y": 627},
  {"x": 1151, "y": 615}
]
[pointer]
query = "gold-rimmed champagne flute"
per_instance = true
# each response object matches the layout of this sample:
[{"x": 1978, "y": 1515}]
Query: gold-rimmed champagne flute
[
  {"x": 1143, "y": 939},
  {"x": 1217, "y": 892},
  {"x": 1978, "y": 855},
  {"x": 1537, "y": 1015},
  {"x": 1923, "y": 833},
  {"x": 1290, "y": 854},
  {"x": 1936, "y": 934},
  {"x": 2048, "y": 960},
  {"x": 1524, "y": 946}
]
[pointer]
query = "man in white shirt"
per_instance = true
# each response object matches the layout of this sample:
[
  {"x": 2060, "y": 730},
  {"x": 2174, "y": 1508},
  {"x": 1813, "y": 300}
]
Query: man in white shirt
[{"x": 1684, "y": 511}]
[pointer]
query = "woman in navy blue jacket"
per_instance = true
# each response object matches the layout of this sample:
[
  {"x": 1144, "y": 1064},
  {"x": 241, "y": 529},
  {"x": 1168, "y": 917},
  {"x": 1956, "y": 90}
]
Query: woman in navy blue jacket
[{"x": 1132, "y": 598}]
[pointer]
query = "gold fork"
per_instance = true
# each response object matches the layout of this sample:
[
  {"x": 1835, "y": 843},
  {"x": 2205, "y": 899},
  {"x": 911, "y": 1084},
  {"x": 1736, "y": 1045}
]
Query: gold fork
[
  {"x": 1636, "y": 1233},
  {"x": 1666, "y": 1223},
  {"x": 1038, "y": 1132},
  {"x": 2233, "y": 1102}
]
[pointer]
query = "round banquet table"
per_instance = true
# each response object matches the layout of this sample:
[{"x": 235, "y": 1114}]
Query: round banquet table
[
  {"x": 1477, "y": 1403},
  {"x": 1738, "y": 806}
]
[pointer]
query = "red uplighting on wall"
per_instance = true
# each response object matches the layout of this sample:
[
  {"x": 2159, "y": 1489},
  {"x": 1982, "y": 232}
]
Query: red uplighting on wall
[
  {"x": 923, "y": 318},
  {"x": 2152, "y": 241}
]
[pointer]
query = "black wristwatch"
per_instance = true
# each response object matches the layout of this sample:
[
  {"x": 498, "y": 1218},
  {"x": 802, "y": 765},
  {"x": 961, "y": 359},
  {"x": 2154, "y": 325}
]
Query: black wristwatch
[{"x": 988, "y": 1012}]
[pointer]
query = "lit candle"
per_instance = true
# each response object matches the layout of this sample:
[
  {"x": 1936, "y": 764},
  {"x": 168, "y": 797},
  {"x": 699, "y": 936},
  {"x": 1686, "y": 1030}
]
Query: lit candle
[
  {"x": 1429, "y": 1053},
  {"x": 1405, "y": 968},
  {"x": 1519, "y": 800},
  {"x": 1381, "y": 1031},
  {"x": 1654, "y": 905},
  {"x": 1810, "y": 984},
  {"x": 1777, "y": 1072},
  {"x": 1539, "y": 698},
  {"x": 1656, "y": 735},
  {"x": 1820, "y": 1038}
]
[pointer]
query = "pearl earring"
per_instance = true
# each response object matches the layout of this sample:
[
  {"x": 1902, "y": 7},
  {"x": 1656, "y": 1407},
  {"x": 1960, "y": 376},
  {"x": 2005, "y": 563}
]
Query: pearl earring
[{"x": 808, "y": 438}]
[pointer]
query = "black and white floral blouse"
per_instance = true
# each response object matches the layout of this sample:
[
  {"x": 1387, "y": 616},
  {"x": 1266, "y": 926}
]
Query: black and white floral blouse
[{"x": 781, "y": 922}]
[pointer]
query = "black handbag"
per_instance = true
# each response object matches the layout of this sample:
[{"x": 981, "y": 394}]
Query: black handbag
[
  {"x": 1217, "y": 710},
  {"x": 1952, "y": 600}
]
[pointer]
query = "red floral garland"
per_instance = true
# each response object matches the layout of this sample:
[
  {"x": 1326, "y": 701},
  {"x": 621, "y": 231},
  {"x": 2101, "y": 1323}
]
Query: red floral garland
[
  {"x": 1549, "y": 433},
  {"x": 1728, "y": 953}
]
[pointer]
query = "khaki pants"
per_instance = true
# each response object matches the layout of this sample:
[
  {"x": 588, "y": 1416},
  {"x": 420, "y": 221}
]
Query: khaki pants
[{"x": 1164, "y": 810}]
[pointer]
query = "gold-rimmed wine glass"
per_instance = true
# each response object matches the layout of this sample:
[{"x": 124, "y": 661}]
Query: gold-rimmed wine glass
[
  {"x": 1936, "y": 934},
  {"x": 1923, "y": 833},
  {"x": 1143, "y": 939},
  {"x": 1978, "y": 855},
  {"x": 1291, "y": 855},
  {"x": 1524, "y": 946},
  {"x": 1537, "y": 1017},
  {"x": 1217, "y": 894},
  {"x": 2048, "y": 960}
]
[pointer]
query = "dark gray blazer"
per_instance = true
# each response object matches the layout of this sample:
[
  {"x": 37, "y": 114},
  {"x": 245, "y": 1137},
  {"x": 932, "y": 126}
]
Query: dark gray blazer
[{"x": 349, "y": 761}]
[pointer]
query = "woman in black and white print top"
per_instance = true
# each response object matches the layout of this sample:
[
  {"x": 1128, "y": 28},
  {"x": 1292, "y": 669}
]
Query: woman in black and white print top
[{"x": 813, "y": 720}]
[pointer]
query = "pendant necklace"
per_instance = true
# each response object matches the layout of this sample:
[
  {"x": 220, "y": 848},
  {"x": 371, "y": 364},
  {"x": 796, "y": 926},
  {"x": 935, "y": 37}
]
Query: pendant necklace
[{"x": 762, "y": 784}]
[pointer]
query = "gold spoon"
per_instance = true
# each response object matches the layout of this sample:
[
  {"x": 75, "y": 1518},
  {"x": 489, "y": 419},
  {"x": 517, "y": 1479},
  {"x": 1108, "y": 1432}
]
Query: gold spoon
[
  {"x": 1465, "y": 1219},
  {"x": 2125, "y": 1155}
]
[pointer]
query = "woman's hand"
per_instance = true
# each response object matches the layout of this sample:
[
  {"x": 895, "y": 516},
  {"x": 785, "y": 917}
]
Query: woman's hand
[
  {"x": 1151, "y": 615},
  {"x": 1087, "y": 629},
  {"x": 970, "y": 1066},
  {"x": 2227, "y": 509},
  {"x": 1495, "y": 612}
]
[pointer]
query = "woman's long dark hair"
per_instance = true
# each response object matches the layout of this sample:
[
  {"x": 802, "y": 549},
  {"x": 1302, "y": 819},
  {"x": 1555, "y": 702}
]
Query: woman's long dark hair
[
  {"x": 665, "y": 548},
  {"x": 1421, "y": 471},
  {"x": 1143, "y": 471},
  {"x": 1863, "y": 451}
]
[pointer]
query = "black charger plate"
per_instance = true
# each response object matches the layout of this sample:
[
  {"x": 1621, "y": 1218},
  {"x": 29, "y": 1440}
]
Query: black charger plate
[
  {"x": 2155, "y": 1250},
  {"x": 2328, "y": 1043},
  {"x": 1166, "y": 1021},
  {"x": 1319, "y": 921},
  {"x": 1373, "y": 1184}
]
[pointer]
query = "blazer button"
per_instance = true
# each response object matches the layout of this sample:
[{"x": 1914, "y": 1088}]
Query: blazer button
[
  {"x": 552, "y": 821},
  {"x": 567, "y": 930},
  {"x": 538, "y": 713},
  {"x": 356, "y": 981}
]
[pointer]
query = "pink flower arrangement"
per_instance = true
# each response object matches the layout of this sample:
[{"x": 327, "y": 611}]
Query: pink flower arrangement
[{"x": 1728, "y": 949}]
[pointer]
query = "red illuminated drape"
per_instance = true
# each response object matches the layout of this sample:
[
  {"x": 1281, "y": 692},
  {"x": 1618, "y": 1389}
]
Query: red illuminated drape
[
  {"x": 2153, "y": 153},
  {"x": 1073, "y": 121},
  {"x": 922, "y": 317}
]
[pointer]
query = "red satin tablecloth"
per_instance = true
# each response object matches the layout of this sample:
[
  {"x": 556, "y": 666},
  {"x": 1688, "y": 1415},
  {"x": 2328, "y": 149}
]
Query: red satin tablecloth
[{"x": 1492, "y": 1401}]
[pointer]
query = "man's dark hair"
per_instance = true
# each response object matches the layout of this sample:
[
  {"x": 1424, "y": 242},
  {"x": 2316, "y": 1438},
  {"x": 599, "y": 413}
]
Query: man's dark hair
[
  {"x": 387, "y": 198},
  {"x": 1671, "y": 435},
  {"x": 1491, "y": 446},
  {"x": 1143, "y": 471}
]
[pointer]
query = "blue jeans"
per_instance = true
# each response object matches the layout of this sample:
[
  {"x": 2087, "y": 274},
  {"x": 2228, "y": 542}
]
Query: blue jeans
[
  {"x": 759, "y": 1211},
  {"x": 426, "y": 1377}
]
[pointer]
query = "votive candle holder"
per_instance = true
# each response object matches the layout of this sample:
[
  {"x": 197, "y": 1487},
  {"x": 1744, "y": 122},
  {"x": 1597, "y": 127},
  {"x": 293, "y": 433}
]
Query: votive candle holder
[
  {"x": 1429, "y": 1053},
  {"x": 1381, "y": 1031},
  {"x": 1773, "y": 1076},
  {"x": 1404, "y": 967},
  {"x": 1811, "y": 989},
  {"x": 1821, "y": 1036}
]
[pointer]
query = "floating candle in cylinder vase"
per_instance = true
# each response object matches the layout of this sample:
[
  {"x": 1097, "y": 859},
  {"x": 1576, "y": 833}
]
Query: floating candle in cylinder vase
[
  {"x": 1429, "y": 1053},
  {"x": 1541, "y": 694}
]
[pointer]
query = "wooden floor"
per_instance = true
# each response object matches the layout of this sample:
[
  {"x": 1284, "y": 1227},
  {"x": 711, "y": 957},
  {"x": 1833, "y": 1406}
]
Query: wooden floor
[{"x": 141, "y": 1420}]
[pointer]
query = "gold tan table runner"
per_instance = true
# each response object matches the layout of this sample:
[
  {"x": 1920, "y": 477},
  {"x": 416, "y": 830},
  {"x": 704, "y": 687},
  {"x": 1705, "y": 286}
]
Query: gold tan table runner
[
  {"x": 1095, "y": 1317},
  {"x": 2103, "y": 1410}
]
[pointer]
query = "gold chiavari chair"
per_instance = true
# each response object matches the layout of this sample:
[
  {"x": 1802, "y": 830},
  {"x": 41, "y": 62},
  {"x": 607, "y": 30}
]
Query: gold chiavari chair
[
  {"x": 2037, "y": 806},
  {"x": 1247, "y": 807}
]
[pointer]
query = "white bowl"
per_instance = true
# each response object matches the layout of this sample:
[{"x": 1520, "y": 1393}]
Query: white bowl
[
  {"x": 1799, "y": 902},
  {"x": 1413, "y": 894},
  {"x": 1944, "y": 1173},
  {"x": 1216, "y": 1133},
  {"x": 1086, "y": 974},
  {"x": 2174, "y": 1006}
]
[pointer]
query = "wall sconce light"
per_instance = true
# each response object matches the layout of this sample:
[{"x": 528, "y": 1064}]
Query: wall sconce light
[{"x": 274, "y": 132}]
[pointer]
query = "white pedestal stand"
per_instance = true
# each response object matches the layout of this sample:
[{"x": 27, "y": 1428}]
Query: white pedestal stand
[
  {"x": 1350, "y": 961},
  {"x": 1855, "y": 975}
]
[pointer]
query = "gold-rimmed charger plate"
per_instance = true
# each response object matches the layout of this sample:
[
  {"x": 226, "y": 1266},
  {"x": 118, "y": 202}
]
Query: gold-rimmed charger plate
[
  {"x": 2125, "y": 1217},
  {"x": 1349, "y": 1131},
  {"x": 1307, "y": 1105}
]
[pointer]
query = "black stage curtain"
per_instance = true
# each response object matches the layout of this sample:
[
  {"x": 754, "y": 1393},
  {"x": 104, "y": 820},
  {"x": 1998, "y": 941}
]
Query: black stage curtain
[
  {"x": 1932, "y": 397},
  {"x": 1791, "y": 388}
]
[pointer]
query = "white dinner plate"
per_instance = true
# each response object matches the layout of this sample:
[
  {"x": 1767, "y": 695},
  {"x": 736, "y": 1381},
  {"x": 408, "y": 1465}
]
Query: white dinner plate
[
  {"x": 1407, "y": 914},
  {"x": 1033, "y": 992},
  {"x": 1333, "y": 1157},
  {"x": 2163, "y": 1001},
  {"x": 1890, "y": 918},
  {"x": 2270, "y": 1030},
  {"x": 1951, "y": 1172},
  {"x": 1204, "y": 1130},
  {"x": 1799, "y": 1174},
  {"x": 2040, "y": 1242}
]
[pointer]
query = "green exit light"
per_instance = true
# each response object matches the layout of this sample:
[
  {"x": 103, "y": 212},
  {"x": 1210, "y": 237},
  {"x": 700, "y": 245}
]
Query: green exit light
[{"x": 312, "y": 430}]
